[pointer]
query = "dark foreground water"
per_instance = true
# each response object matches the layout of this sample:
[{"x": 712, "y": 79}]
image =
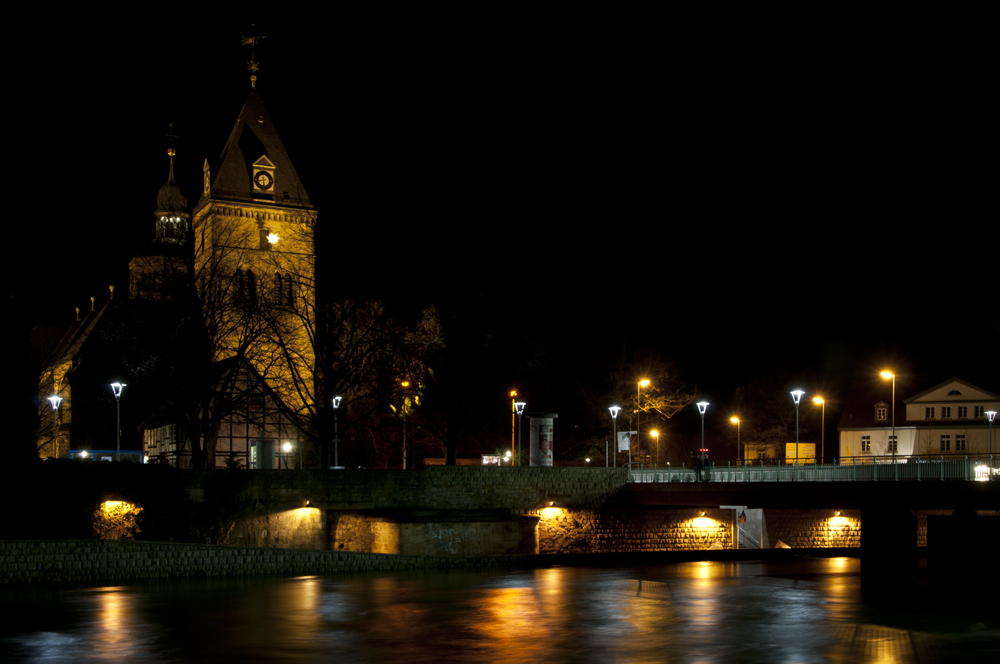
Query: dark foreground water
[{"x": 810, "y": 610}]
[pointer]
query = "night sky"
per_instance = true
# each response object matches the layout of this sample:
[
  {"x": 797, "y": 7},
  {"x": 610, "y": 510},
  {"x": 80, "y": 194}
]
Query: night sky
[{"x": 738, "y": 206}]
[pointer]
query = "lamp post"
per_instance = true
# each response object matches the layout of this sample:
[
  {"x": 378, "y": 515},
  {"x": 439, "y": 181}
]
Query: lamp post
[
  {"x": 513, "y": 416},
  {"x": 614, "y": 419},
  {"x": 991, "y": 414},
  {"x": 702, "y": 407},
  {"x": 796, "y": 397},
  {"x": 405, "y": 384},
  {"x": 888, "y": 375},
  {"x": 638, "y": 412},
  {"x": 519, "y": 409},
  {"x": 735, "y": 420},
  {"x": 819, "y": 401},
  {"x": 117, "y": 389},
  {"x": 336, "y": 438},
  {"x": 656, "y": 436},
  {"x": 55, "y": 401}
]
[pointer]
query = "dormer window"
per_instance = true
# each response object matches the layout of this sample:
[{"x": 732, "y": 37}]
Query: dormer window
[
  {"x": 880, "y": 414},
  {"x": 881, "y": 411}
]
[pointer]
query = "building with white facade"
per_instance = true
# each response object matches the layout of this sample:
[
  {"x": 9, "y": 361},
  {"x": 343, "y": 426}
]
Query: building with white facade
[{"x": 945, "y": 420}]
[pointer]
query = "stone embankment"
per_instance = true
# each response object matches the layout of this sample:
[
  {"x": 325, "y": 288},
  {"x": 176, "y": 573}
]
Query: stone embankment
[{"x": 87, "y": 561}]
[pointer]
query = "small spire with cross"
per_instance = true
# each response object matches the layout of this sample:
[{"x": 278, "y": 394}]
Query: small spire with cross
[
  {"x": 170, "y": 134},
  {"x": 252, "y": 65}
]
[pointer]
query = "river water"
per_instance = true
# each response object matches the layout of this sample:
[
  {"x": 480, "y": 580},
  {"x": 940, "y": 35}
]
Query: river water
[{"x": 808, "y": 610}]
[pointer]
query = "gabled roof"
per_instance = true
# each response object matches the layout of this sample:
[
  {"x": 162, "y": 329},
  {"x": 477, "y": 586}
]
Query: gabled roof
[
  {"x": 959, "y": 383},
  {"x": 860, "y": 404},
  {"x": 253, "y": 137}
]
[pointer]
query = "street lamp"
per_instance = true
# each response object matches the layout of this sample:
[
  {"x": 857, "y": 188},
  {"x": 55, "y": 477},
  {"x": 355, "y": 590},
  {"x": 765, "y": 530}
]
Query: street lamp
[
  {"x": 991, "y": 414},
  {"x": 614, "y": 418},
  {"x": 735, "y": 420},
  {"x": 796, "y": 397},
  {"x": 513, "y": 414},
  {"x": 405, "y": 384},
  {"x": 519, "y": 409},
  {"x": 117, "y": 389},
  {"x": 336, "y": 438},
  {"x": 55, "y": 401},
  {"x": 702, "y": 407},
  {"x": 819, "y": 401},
  {"x": 656, "y": 436},
  {"x": 888, "y": 375},
  {"x": 638, "y": 412}
]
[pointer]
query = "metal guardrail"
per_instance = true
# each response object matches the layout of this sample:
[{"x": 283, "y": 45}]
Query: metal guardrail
[{"x": 901, "y": 469}]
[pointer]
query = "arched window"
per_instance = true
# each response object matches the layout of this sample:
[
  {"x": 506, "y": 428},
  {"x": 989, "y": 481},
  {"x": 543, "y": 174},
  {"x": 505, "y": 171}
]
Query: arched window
[
  {"x": 289, "y": 290},
  {"x": 251, "y": 287},
  {"x": 239, "y": 286},
  {"x": 278, "y": 288}
]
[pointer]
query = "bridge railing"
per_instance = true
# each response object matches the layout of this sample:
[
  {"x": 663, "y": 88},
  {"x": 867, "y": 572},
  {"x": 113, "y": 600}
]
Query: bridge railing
[{"x": 984, "y": 468}]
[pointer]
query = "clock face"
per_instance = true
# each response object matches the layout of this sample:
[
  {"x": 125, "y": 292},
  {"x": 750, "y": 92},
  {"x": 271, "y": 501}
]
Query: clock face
[{"x": 263, "y": 180}]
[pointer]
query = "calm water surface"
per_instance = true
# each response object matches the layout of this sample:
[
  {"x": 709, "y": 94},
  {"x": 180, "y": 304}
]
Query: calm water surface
[{"x": 810, "y": 610}]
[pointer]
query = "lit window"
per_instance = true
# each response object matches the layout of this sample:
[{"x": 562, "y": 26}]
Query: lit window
[
  {"x": 866, "y": 444},
  {"x": 960, "y": 442},
  {"x": 880, "y": 413},
  {"x": 945, "y": 443},
  {"x": 929, "y": 412}
]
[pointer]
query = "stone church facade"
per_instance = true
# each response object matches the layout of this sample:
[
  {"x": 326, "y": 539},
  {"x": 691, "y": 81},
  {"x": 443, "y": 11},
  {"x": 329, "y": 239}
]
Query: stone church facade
[{"x": 246, "y": 253}]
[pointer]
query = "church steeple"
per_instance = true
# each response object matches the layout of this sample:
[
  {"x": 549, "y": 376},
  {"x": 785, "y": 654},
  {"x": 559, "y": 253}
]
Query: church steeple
[
  {"x": 172, "y": 217},
  {"x": 159, "y": 270}
]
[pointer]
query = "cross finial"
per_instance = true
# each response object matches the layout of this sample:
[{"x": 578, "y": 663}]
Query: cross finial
[
  {"x": 171, "y": 136},
  {"x": 252, "y": 65}
]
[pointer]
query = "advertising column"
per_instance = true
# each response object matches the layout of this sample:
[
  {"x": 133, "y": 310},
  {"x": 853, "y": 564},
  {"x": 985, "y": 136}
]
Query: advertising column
[{"x": 541, "y": 438}]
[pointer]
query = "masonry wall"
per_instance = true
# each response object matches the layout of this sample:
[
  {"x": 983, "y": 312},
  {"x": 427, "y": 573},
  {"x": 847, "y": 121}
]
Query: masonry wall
[
  {"x": 625, "y": 530},
  {"x": 85, "y": 561}
]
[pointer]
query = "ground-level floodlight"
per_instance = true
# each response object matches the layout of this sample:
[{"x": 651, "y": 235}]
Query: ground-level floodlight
[
  {"x": 519, "y": 409},
  {"x": 55, "y": 401},
  {"x": 614, "y": 418},
  {"x": 117, "y": 389},
  {"x": 336, "y": 439},
  {"x": 702, "y": 407}
]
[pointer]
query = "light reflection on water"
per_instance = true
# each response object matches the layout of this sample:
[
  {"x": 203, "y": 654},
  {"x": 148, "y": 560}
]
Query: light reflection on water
[{"x": 807, "y": 610}]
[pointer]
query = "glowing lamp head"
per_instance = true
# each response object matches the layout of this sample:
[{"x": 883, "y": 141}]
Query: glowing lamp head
[
  {"x": 513, "y": 393},
  {"x": 614, "y": 412},
  {"x": 405, "y": 383},
  {"x": 991, "y": 414},
  {"x": 287, "y": 447},
  {"x": 654, "y": 433},
  {"x": 734, "y": 420},
  {"x": 55, "y": 401},
  {"x": 117, "y": 388},
  {"x": 702, "y": 407},
  {"x": 818, "y": 401},
  {"x": 519, "y": 406},
  {"x": 887, "y": 375},
  {"x": 273, "y": 238},
  {"x": 336, "y": 402},
  {"x": 797, "y": 396},
  {"x": 644, "y": 382}
]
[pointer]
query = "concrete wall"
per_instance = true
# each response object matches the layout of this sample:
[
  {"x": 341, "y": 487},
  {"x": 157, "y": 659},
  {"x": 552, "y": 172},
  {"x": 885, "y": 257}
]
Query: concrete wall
[{"x": 84, "y": 561}]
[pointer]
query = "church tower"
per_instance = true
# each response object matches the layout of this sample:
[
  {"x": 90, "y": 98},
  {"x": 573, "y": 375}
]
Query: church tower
[
  {"x": 159, "y": 271},
  {"x": 254, "y": 257}
]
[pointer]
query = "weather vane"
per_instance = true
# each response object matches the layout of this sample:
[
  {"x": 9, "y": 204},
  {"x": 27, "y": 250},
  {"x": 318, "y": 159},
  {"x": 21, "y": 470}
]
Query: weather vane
[{"x": 252, "y": 65}]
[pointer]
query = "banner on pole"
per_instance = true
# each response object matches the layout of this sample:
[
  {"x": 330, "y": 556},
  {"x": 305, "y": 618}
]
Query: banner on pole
[{"x": 625, "y": 440}]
